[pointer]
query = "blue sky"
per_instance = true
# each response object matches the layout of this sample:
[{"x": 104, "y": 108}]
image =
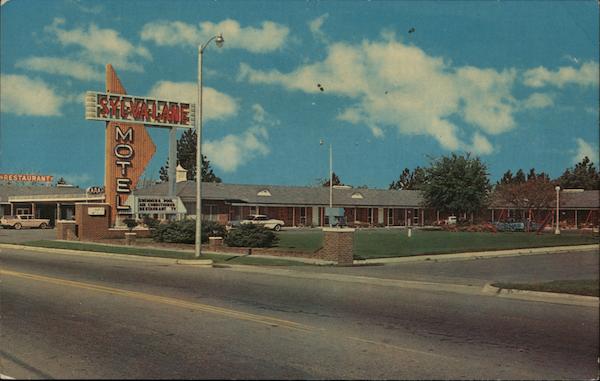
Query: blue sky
[{"x": 515, "y": 83}]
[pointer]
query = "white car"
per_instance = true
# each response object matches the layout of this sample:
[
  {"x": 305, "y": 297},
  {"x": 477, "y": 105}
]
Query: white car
[
  {"x": 24, "y": 221},
  {"x": 263, "y": 220}
]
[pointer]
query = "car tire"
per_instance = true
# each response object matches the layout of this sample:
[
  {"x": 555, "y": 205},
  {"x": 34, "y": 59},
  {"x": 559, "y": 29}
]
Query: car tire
[
  {"x": 277, "y": 227},
  {"x": 43, "y": 225},
  {"x": 17, "y": 226}
]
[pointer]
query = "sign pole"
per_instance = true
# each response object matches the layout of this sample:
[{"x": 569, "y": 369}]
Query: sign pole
[{"x": 172, "y": 160}]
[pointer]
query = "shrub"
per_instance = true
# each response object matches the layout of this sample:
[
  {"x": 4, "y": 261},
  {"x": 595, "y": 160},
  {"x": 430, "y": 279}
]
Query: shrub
[
  {"x": 213, "y": 229},
  {"x": 249, "y": 235},
  {"x": 185, "y": 231},
  {"x": 130, "y": 223},
  {"x": 176, "y": 232},
  {"x": 150, "y": 222}
]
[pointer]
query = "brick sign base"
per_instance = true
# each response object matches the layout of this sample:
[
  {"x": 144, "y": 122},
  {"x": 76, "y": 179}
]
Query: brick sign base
[{"x": 338, "y": 245}]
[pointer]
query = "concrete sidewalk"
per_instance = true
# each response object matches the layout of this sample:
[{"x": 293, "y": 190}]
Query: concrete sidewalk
[{"x": 479, "y": 254}]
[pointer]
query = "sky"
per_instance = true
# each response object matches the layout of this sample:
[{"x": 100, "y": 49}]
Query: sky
[{"x": 388, "y": 84}]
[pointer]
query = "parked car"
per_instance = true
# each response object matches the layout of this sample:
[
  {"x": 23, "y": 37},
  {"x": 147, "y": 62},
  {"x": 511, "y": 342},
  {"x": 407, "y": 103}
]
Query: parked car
[
  {"x": 451, "y": 220},
  {"x": 263, "y": 220},
  {"x": 24, "y": 221}
]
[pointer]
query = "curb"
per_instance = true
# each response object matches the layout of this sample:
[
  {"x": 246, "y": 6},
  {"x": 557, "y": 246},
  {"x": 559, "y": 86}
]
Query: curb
[
  {"x": 195, "y": 262},
  {"x": 480, "y": 254},
  {"x": 539, "y": 296},
  {"x": 128, "y": 257}
]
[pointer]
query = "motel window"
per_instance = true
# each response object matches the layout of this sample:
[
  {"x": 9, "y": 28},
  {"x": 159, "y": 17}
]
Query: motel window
[
  {"x": 416, "y": 217},
  {"x": 370, "y": 215},
  {"x": 303, "y": 216},
  {"x": 390, "y": 216}
]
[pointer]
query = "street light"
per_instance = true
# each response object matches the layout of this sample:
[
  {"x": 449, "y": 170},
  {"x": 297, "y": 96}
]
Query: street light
[
  {"x": 330, "y": 178},
  {"x": 219, "y": 42},
  {"x": 557, "y": 228}
]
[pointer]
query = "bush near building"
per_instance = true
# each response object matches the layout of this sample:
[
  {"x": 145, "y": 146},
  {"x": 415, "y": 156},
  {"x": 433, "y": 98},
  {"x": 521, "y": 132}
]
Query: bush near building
[
  {"x": 185, "y": 231},
  {"x": 249, "y": 235}
]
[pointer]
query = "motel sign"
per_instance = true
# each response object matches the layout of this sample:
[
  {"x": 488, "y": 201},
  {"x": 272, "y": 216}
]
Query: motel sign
[{"x": 128, "y": 147}]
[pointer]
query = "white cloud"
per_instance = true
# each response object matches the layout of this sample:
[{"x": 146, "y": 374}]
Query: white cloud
[
  {"x": 215, "y": 105},
  {"x": 585, "y": 75},
  {"x": 481, "y": 145},
  {"x": 233, "y": 151},
  {"x": 585, "y": 149},
  {"x": 315, "y": 27},
  {"x": 22, "y": 95},
  {"x": 100, "y": 46},
  {"x": 392, "y": 85},
  {"x": 259, "y": 113},
  {"x": 61, "y": 66},
  {"x": 268, "y": 37},
  {"x": 537, "y": 100}
]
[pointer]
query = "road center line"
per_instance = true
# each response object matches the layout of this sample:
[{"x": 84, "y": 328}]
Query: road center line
[{"x": 267, "y": 320}]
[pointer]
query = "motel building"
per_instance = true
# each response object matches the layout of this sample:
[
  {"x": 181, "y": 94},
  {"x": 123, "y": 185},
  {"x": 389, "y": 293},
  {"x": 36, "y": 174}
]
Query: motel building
[
  {"x": 296, "y": 206},
  {"x": 306, "y": 206}
]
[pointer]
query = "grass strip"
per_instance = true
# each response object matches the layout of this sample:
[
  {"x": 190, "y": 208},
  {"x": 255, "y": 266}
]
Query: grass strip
[
  {"x": 148, "y": 252},
  {"x": 587, "y": 287},
  {"x": 395, "y": 243}
]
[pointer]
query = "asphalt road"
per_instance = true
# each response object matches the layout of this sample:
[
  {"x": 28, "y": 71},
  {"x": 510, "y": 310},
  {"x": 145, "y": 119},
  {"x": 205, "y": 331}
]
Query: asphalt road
[{"x": 69, "y": 316}]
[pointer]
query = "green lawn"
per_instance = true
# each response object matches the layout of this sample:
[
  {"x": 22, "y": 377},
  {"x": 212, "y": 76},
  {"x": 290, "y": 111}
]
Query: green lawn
[
  {"x": 301, "y": 240},
  {"x": 379, "y": 243},
  {"x": 587, "y": 287},
  {"x": 141, "y": 251},
  {"x": 375, "y": 243}
]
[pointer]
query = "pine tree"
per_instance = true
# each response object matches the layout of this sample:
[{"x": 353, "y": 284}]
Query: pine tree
[
  {"x": 186, "y": 157},
  {"x": 584, "y": 175}
]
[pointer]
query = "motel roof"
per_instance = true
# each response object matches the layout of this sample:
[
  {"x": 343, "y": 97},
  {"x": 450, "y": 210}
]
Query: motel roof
[
  {"x": 40, "y": 193},
  {"x": 270, "y": 195},
  {"x": 319, "y": 196},
  {"x": 289, "y": 195}
]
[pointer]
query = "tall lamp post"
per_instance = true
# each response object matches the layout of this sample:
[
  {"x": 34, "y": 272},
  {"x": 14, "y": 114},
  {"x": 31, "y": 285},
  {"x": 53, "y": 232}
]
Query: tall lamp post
[
  {"x": 219, "y": 42},
  {"x": 330, "y": 177},
  {"x": 557, "y": 228}
]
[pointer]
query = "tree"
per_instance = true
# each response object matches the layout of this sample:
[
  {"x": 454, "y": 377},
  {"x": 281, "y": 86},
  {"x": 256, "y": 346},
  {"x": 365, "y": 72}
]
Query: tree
[
  {"x": 335, "y": 178},
  {"x": 186, "y": 157},
  {"x": 535, "y": 193},
  {"x": 507, "y": 178},
  {"x": 584, "y": 175},
  {"x": 456, "y": 184},
  {"x": 410, "y": 180},
  {"x": 519, "y": 176}
]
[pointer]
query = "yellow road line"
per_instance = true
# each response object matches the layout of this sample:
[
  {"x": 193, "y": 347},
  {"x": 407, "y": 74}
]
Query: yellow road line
[{"x": 271, "y": 321}]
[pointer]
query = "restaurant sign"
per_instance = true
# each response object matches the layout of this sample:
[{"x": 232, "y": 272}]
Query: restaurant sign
[
  {"x": 111, "y": 107},
  {"x": 27, "y": 178}
]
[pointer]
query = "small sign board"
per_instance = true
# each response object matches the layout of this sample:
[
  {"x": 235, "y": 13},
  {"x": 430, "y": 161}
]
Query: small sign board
[
  {"x": 94, "y": 190},
  {"x": 159, "y": 205},
  {"x": 96, "y": 211}
]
